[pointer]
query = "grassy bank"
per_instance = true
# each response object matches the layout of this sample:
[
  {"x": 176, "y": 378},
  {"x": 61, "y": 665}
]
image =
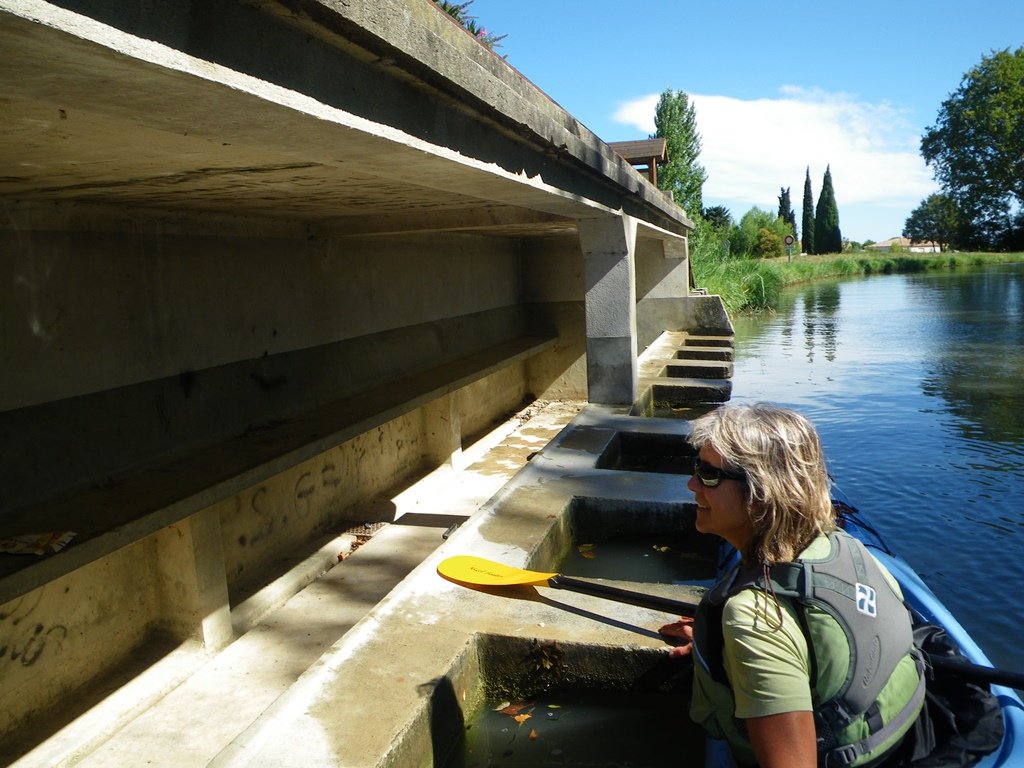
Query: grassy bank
[{"x": 750, "y": 285}]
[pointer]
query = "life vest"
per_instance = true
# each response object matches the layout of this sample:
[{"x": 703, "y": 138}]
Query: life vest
[{"x": 844, "y": 596}]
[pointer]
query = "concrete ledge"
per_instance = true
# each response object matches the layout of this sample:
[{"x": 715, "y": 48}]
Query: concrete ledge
[
  {"x": 148, "y": 717},
  {"x": 133, "y": 507},
  {"x": 417, "y": 651}
]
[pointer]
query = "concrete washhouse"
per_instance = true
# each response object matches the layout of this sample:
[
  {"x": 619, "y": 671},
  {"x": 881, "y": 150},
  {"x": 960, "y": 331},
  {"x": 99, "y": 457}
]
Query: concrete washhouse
[{"x": 293, "y": 291}]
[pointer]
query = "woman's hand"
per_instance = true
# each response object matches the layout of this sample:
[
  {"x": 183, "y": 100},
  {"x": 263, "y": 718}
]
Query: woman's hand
[{"x": 680, "y": 633}]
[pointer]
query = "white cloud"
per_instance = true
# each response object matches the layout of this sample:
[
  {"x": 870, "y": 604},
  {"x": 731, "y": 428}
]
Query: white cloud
[{"x": 751, "y": 148}]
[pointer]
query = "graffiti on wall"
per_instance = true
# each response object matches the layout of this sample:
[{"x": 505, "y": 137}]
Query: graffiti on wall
[{"x": 24, "y": 633}]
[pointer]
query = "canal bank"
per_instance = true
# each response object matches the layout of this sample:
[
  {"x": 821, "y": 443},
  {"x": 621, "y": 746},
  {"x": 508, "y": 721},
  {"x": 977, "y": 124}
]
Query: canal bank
[{"x": 754, "y": 285}]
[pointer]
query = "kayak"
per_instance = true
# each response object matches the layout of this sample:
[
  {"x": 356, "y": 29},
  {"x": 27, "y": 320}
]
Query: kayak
[{"x": 926, "y": 607}]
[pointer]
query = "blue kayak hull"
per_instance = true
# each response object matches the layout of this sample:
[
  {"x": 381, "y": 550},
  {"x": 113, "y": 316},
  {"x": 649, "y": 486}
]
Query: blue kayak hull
[{"x": 924, "y": 601}]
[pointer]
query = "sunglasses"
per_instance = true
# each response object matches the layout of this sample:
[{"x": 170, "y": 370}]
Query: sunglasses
[{"x": 710, "y": 475}]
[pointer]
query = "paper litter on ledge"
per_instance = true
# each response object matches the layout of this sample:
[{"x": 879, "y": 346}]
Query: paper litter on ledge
[{"x": 36, "y": 543}]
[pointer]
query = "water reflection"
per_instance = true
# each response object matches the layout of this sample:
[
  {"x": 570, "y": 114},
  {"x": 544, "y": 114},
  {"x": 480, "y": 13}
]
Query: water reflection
[
  {"x": 821, "y": 304},
  {"x": 977, "y": 364}
]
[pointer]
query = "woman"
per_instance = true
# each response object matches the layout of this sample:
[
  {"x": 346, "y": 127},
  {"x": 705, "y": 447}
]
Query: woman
[{"x": 803, "y": 651}]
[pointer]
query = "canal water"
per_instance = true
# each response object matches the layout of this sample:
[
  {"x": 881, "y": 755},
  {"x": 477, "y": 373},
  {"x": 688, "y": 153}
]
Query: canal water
[{"x": 916, "y": 384}]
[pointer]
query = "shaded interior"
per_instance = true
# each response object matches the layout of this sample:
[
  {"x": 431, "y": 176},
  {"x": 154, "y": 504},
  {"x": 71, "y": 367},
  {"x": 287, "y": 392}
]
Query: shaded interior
[{"x": 539, "y": 703}]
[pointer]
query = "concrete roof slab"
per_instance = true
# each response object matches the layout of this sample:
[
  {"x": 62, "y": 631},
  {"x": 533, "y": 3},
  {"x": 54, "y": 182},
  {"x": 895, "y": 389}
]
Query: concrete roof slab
[{"x": 95, "y": 112}]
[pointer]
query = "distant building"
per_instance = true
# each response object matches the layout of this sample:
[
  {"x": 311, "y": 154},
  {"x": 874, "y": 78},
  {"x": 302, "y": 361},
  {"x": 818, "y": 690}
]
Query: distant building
[{"x": 904, "y": 243}]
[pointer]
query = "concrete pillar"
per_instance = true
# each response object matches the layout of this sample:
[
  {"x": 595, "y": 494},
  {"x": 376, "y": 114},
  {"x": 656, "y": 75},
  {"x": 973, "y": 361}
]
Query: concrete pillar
[
  {"x": 190, "y": 566},
  {"x": 609, "y": 280},
  {"x": 442, "y": 431}
]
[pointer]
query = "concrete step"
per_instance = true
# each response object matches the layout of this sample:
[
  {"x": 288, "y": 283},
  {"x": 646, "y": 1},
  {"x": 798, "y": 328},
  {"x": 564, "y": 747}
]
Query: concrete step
[
  {"x": 708, "y": 341},
  {"x": 193, "y": 723},
  {"x": 704, "y": 353},
  {"x": 699, "y": 369},
  {"x": 690, "y": 391},
  {"x": 682, "y": 371}
]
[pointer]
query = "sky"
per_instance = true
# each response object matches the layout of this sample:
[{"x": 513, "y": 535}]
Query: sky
[{"x": 778, "y": 87}]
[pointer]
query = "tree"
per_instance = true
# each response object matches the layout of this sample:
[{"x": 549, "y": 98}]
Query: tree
[
  {"x": 747, "y": 240},
  {"x": 769, "y": 244},
  {"x": 936, "y": 219},
  {"x": 976, "y": 147},
  {"x": 718, "y": 216},
  {"x": 807, "y": 244},
  {"x": 675, "y": 120},
  {"x": 709, "y": 239},
  {"x": 786, "y": 209},
  {"x": 827, "y": 237}
]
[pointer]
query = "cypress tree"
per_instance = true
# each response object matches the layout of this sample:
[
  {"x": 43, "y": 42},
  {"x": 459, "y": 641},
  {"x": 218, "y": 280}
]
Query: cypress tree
[
  {"x": 827, "y": 237},
  {"x": 807, "y": 244},
  {"x": 786, "y": 208}
]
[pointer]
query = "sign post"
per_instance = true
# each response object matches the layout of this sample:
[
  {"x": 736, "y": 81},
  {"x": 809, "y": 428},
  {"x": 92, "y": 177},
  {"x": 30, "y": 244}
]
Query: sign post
[{"x": 789, "y": 240}]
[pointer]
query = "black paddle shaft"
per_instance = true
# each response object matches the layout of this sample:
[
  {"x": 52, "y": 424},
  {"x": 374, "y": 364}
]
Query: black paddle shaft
[
  {"x": 976, "y": 673},
  {"x": 655, "y": 602}
]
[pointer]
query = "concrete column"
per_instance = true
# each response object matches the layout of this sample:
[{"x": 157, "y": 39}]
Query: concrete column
[
  {"x": 442, "y": 431},
  {"x": 190, "y": 565},
  {"x": 610, "y": 283}
]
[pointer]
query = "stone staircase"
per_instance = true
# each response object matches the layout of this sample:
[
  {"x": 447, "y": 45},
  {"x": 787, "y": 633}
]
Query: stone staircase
[{"x": 683, "y": 372}]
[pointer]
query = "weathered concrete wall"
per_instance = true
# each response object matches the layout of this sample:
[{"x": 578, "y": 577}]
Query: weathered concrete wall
[
  {"x": 486, "y": 401},
  {"x": 62, "y": 636},
  {"x": 136, "y": 345},
  {"x": 129, "y": 346},
  {"x": 662, "y": 283},
  {"x": 183, "y": 582},
  {"x": 552, "y": 284},
  {"x": 289, "y": 510},
  {"x": 86, "y": 311}
]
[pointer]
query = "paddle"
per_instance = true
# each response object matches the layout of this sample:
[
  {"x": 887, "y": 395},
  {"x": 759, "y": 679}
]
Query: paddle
[
  {"x": 480, "y": 572},
  {"x": 976, "y": 673}
]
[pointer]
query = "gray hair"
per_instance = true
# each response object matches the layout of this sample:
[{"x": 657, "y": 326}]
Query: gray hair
[{"x": 788, "y": 496}]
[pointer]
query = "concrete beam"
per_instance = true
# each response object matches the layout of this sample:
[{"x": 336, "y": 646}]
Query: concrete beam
[
  {"x": 608, "y": 247},
  {"x": 489, "y": 218},
  {"x": 443, "y": 432},
  {"x": 194, "y": 588}
]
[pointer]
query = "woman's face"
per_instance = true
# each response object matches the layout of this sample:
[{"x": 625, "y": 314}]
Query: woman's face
[{"x": 722, "y": 510}]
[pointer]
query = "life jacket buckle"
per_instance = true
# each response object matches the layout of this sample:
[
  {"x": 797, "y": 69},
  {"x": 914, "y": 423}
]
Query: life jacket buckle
[{"x": 840, "y": 757}]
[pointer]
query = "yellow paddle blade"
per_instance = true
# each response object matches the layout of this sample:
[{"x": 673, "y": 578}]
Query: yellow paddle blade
[{"x": 467, "y": 569}]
